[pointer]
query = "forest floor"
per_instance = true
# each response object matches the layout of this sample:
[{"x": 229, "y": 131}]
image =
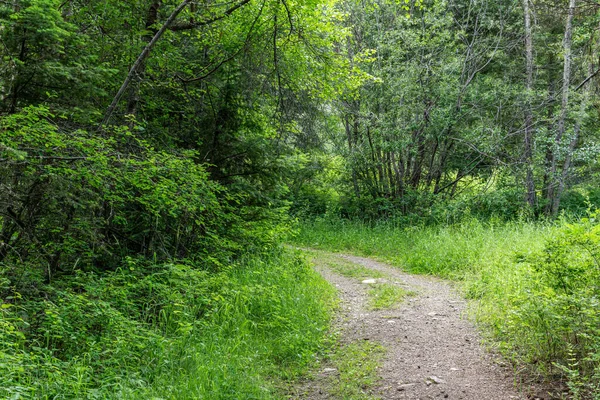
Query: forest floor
[{"x": 429, "y": 349}]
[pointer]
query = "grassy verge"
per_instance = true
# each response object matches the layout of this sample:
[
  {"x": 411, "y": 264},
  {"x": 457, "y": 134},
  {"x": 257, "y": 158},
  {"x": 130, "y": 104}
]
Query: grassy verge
[
  {"x": 357, "y": 364},
  {"x": 533, "y": 287},
  {"x": 448, "y": 251},
  {"x": 176, "y": 333}
]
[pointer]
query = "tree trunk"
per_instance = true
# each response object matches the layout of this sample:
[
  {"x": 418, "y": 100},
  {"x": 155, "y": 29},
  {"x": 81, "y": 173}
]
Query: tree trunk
[
  {"x": 134, "y": 91},
  {"x": 529, "y": 133},
  {"x": 576, "y": 133},
  {"x": 553, "y": 202},
  {"x": 351, "y": 150}
]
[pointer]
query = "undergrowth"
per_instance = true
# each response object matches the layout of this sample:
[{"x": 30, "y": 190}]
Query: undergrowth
[
  {"x": 166, "y": 332},
  {"x": 534, "y": 287}
]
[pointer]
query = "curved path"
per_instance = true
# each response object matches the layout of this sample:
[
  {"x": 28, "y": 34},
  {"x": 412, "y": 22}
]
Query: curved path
[{"x": 433, "y": 351}]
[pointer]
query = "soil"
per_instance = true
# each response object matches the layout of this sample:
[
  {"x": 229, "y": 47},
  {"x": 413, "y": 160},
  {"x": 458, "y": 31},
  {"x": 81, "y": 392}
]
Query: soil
[{"x": 432, "y": 350}]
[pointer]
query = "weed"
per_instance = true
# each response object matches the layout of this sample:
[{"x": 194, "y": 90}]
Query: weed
[
  {"x": 384, "y": 296},
  {"x": 343, "y": 267},
  {"x": 357, "y": 364}
]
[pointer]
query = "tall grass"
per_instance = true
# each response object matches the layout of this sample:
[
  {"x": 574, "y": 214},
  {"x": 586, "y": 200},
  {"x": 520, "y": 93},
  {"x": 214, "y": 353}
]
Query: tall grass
[
  {"x": 533, "y": 286},
  {"x": 450, "y": 251},
  {"x": 489, "y": 260},
  {"x": 179, "y": 333}
]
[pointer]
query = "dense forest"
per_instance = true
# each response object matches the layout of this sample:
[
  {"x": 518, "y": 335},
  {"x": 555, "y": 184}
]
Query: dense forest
[{"x": 155, "y": 156}]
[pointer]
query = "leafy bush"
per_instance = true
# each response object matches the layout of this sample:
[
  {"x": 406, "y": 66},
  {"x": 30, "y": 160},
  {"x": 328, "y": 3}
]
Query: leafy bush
[
  {"x": 73, "y": 200},
  {"x": 558, "y": 317},
  {"x": 126, "y": 272}
]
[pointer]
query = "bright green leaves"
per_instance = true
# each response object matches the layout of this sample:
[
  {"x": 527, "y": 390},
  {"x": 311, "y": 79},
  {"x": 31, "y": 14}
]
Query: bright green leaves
[
  {"x": 43, "y": 24},
  {"x": 571, "y": 259},
  {"x": 46, "y": 56},
  {"x": 68, "y": 187}
]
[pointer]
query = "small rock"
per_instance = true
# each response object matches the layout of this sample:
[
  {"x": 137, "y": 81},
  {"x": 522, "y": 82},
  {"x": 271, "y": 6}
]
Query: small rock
[
  {"x": 432, "y": 314},
  {"x": 391, "y": 321},
  {"x": 436, "y": 380},
  {"x": 329, "y": 370},
  {"x": 405, "y": 386},
  {"x": 369, "y": 281}
]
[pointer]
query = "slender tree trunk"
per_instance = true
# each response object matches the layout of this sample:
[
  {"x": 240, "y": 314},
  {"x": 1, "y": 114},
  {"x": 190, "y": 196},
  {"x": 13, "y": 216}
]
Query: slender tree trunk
[
  {"x": 134, "y": 90},
  {"x": 351, "y": 150},
  {"x": 547, "y": 180},
  {"x": 446, "y": 149},
  {"x": 399, "y": 171},
  {"x": 564, "y": 108},
  {"x": 431, "y": 170},
  {"x": 576, "y": 133},
  {"x": 566, "y": 166},
  {"x": 390, "y": 174},
  {"x": 529, "y": 133}
]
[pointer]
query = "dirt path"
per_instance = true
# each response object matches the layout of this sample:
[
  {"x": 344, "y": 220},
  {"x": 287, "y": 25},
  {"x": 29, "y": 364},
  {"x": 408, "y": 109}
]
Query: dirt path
[{"x": 433, "y": 351}]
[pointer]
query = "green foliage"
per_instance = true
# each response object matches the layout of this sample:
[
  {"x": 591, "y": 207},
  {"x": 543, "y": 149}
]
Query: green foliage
[
  {"x": 84, "y": 199},
  {"x": 557, "y": 318},
  {"x": 579, "y": 200},
  {"x": 126, "y": 271},
  {"x": 46, "y": 58},
  {"x": 357, "y": 364},
  {"x": 384, "y": 296},
  {"x": 167, "y": 331},
  {"x": 314, "y": 189},
  {"x": 343, "y": 267},
  {"x": 138, "y": 260}
]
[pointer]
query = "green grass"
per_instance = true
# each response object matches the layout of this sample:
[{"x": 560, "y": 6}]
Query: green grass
[
  {"x": 384, "y": 296},
  {"x": 179, "y": 333},
  {"x": 341, "y": 266},
  {"x": 449, "y": 251},
  {"x": 494, "y": 266},
  {"x": 357, "y": 364}
]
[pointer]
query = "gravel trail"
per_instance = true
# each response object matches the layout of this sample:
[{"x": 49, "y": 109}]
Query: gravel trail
[{"x": 433, "y": 351}]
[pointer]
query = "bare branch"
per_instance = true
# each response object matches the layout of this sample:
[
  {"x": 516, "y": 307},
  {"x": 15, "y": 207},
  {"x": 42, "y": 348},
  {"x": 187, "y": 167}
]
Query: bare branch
[
  {"x": 193, "y": 25},
  {"x": 586, "y": 80}
]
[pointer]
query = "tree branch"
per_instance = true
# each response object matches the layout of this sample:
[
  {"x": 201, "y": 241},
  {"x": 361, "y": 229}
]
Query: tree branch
[
  {"x": 227, "y": 59},
  {"x": 192, "y": 25},
  {"x": 586, "y": 80},
  {"x": 143, "y": 55}
]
